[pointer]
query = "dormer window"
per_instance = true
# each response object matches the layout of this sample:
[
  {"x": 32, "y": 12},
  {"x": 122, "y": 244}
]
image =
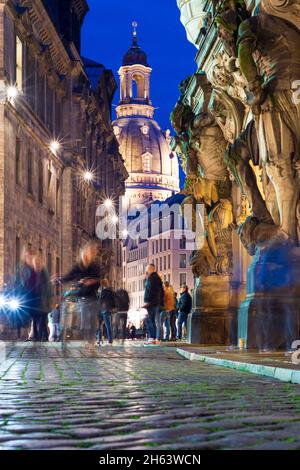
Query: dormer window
[{"x": 147, "y": 162}]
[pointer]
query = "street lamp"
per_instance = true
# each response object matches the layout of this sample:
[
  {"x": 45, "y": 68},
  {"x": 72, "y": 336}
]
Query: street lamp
[
  {"x": 115, "y": 219},
  {"x": 108, "y": 203},
  {"x": 88, "y": 176},
  {"x": 12, "y": 92},
  {"x": 54, "y": 146}
]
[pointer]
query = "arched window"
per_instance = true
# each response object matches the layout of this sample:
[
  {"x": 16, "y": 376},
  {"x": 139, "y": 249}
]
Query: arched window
[
  {"x": 147, "y": 162},
  {"x": 138, "y": 87}
]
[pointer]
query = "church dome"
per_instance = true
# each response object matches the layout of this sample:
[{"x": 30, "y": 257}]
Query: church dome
[
  {"x": 148, "y": 158},
  {"x": 135, "y": 55}
]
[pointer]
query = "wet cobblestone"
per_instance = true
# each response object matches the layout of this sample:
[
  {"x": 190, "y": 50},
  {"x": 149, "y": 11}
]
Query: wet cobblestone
[{"x": 139, "y": 398}]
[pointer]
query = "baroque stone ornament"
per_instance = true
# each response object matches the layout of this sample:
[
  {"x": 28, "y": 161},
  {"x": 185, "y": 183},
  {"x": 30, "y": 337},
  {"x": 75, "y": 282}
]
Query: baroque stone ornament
[
  {"x": 201, "y": 143},
  {"x": 266, "y": 47}
]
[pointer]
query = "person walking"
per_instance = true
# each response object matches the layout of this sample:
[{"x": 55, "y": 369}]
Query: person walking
[
  {"x": 107, "y": 304},
  {"x": 184, "y": 307},
  {"x": 154, "y": 299},
  {"x": 121, "y": 316},
  {"x": 54, "y": 324},
  {"x": 27, "y": 279},
  {"x": 87, "y": 274},
  {"x": 169, "y": 307}
]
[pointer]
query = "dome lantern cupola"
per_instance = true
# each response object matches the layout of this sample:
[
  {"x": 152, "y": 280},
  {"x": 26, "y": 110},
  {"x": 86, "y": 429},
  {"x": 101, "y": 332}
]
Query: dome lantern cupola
[
  {"x": 135, "y": 82},
  {"x": 135, "y": 55}
]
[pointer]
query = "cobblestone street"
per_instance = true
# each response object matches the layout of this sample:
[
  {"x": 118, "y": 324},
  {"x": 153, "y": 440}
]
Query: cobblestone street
[{"x": 139, "y": 398}]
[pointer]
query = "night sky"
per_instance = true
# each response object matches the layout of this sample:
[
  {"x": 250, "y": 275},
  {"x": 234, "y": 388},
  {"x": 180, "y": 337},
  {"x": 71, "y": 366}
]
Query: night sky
[{"x": 107, "y": 35}]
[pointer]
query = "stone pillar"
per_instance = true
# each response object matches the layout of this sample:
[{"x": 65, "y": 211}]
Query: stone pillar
[
  {"x": 67, "y": 217},
  {"x": 214, "y": 317},
  {"x": 269, "y": 318}
]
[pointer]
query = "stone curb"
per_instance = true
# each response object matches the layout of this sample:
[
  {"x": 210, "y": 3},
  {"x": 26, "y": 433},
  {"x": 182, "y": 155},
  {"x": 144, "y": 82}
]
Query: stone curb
[{"x": 285, "y": 375}]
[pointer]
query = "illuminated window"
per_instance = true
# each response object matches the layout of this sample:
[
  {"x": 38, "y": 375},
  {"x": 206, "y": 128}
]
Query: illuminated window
[
  {"x": 182, "y": 261},
  {"x": 147, "y": 162},
  {"x": 19, "y": 63}
]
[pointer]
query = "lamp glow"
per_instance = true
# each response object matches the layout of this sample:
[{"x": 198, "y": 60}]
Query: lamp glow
[
  {"x": 108, "y": 203},
  {"x": 115, "y": 219},
  {"x": 54, "y": 146},
  {"x": 125, "y": 233},
  {"x": 12, "y": 92},
  {"x": 14, "y": 304},
  {"x": 88, "y": 176}
]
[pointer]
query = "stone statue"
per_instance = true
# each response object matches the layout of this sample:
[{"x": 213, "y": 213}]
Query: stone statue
[
  {"x": 267, "y": 49},
  {"x": 201, "y": 141}
]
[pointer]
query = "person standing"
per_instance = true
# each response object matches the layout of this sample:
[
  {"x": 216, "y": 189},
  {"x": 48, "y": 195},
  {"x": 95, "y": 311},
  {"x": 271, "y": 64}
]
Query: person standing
[
  {"x": 169, "y": 307},
  {"x": 173, "y": 319},
  {"x": 87, "y": 274},
  {"x": 154, "y": 299},
  {"x": 107, "y": 304},
  {"x": 120, "y": 317},
  {"x": 185, "y": 308}
]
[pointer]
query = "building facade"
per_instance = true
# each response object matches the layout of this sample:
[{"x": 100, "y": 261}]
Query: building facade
[
  {"x": 168, "y": 246},
  {"x": 58, "y": 153}
]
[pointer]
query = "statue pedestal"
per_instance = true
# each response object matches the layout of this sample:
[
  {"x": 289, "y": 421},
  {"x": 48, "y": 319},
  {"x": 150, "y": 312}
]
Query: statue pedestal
[
  {"x": 269, "y": 318},
  {"x": 214, "y": 320}
]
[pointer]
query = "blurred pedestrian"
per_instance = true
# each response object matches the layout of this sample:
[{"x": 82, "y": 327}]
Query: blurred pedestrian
[
  {"x": 121, "y": 315},
  {"x": 54, "y": 324},
  {"x": 43, "y": 296},
  {"x": 28, "y": 280},
  {"x": 154, "y": 299},
  {"x": 87, "y": 273},
  {"x": 169, "y": 307},
  {"x": 185, "y": 308}
]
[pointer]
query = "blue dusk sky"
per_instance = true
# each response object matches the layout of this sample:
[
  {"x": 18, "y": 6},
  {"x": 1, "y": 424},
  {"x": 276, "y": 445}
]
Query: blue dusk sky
[{"x": 107, "y": 35}]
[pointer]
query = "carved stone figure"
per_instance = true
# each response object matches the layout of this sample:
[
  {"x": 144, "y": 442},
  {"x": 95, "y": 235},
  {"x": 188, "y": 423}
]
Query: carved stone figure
[
  {"x": 267, "y": 49},
  {"x": 201, "y": 140}
]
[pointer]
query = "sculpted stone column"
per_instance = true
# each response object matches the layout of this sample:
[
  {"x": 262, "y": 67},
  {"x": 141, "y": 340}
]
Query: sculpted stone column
[
  {"x": 266, "y": 46},
  {"x": 202, "y": 145}
]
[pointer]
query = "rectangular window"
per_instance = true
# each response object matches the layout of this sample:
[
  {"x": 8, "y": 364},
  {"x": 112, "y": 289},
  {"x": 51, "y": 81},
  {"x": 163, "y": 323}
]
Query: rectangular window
[
  {"x": 169, "y": 261},
  {"x": 182, "y": 261},
  {"x": 49, "y": 263},
  {"x": 19, "y": 63},
  {"x": 18, "y": 161},
  {"x": 183, "y": 243},
  {"x": 41, "y": 181},
  {"x": 182, "y": 278},
  {"x": 165, "y": 262},
  {"x": 29, "y": 173},
  {"x": 18, "y": 253}
]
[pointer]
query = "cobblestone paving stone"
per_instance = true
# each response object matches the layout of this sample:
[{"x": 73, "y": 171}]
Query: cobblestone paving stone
[{"x": 139, "y": 398}]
